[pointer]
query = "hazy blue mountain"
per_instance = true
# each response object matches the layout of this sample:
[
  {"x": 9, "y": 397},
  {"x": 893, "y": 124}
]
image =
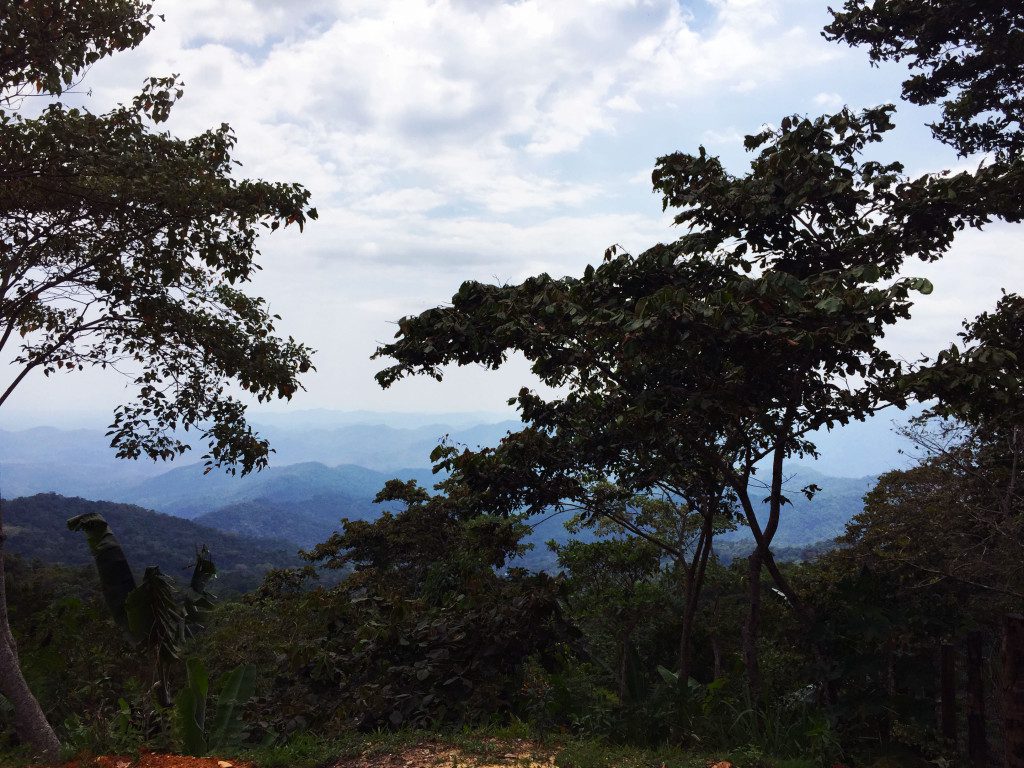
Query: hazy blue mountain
[
  {"x": 376, "y": 446},
  {"x": 264, "y": 519},
  {"x": 806, "y": 522},
  {"x": 325, "y": 418},
  {"x": 382, "y": 441},
  {"x": 36, "y": 527},
  {"x": 330, "y": 464},
  {"x": 77, "y": 462},
  {"x": 868, "y": 447},
  {"x": 334, "y": 492},
  {"x": 81, "y": 462}
]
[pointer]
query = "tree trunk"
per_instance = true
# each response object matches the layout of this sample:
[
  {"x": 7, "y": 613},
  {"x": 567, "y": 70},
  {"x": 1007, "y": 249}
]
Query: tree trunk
[
  {"x": 692, "y": 585},
  {"x": 977, "y": 742},
  {"x": 29, "y": 721},
  {"x": 947, "y": 692},
  {"x": 623, "y": 667},
  {"x": 684, "y": 642},
  {"x": 752, "y": 627},
  {"x": 1013, "y": 690}
]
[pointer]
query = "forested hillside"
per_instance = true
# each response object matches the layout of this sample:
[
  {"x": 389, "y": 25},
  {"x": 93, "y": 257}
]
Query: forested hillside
[{"x": 36, "y": 527}]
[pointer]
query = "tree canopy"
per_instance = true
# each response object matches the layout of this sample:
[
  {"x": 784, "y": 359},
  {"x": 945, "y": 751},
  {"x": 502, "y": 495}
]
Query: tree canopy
[{"x": 124, "y": 247}]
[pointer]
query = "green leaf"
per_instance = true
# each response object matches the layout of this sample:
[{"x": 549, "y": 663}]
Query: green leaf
[
  {"x": 922, "y": 285},
  {"x": 227, "y": 724},
  {"x": 190, "y": 710},
  {"x": 670, "y": 677},
  {"x": 154, "y": 617},
  {"x": 116, "y": 579},
  {"x": 203, "y": 572}
]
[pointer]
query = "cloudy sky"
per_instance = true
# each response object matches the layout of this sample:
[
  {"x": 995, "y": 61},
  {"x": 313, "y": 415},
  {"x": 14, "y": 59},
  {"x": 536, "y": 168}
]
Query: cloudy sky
[{"x": 475, "y": 139}]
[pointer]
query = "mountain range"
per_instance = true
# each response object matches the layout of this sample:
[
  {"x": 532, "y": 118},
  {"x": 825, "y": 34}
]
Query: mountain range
[{"x": 319, "y": 475}]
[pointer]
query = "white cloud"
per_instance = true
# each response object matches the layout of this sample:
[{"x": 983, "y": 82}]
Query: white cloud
[
  {"x": 724, "y": 136},
  {"x": 829, "y": 101},
  {"x": 463, "y": 98},
  {"x": 451, "y": 139}
]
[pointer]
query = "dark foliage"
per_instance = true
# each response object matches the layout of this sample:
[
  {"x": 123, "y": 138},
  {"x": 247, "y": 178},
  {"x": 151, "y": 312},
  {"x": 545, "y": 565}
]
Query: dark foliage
[{"x": 967, "y": 55}]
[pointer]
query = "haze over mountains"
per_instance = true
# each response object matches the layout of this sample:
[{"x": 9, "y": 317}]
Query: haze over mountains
[{"x": 329, "y": 465}]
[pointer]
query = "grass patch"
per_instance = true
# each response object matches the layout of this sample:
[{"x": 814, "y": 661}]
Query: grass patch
[{"x": 597, "y": 754}]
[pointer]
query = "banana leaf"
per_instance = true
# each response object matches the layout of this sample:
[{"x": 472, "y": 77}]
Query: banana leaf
[
  {"x": 226, "y": 728},
  {"x": 190, "y": 709},
  {"x": 203, "y": 572},
  {"x": 154, "y": 616},
  {"x": 116, "y": 578}
]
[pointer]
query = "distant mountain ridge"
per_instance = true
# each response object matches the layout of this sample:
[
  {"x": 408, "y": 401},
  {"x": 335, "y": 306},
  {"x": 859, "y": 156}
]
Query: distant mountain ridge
[
  {"x": 188, "y": 492},
  {"x": 81, "y": 462},
  {"x": 329, "y": 466}
]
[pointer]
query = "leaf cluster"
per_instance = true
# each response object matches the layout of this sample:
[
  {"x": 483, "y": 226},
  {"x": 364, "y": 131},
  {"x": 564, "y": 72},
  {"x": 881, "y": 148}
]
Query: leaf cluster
[
  {"x": 967, "y": 55},
  {"x": 123, "y": 247}
]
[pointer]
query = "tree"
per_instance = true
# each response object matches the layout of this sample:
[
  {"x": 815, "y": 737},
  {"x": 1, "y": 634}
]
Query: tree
[
  {"x": 124, "y": 247},
  {"x": 724, "y": 350},
  {"x": 967, "y": 55},
  {"x": 613, "y": 588},
  {"x": 975, "y": 459},
  {"x": 430, "y": 625},
  {"x": 561, "y": 463}
]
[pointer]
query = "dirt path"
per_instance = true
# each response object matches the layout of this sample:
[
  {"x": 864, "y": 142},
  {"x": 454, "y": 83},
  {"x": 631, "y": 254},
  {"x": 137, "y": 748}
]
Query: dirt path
[
  {"x": 149, "y": 760},
  {"x": 506, "y": 754},
  {"x": 510, "y": 754}
]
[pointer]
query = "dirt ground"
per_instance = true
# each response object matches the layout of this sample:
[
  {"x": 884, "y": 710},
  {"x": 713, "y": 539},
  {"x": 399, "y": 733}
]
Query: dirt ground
[
  {"x": 150, "y": 760},
  {"x": 512, "y": 755},
  {"x": 516, "y": 754}
]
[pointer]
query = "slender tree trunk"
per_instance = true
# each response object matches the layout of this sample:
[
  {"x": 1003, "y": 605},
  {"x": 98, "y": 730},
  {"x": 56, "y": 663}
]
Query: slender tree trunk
[
  {"x": 29, "y": 721},
  {"x": 752, "y": 627},
  {"x": 1013, "y": 690},
  {"x": 684, "y": 640},
  {"x": 977, "y": 741},
  {"x": 693, "y": 583},
  {"x": 623, "y": 661},
  {"x": 947, "y": 691}
]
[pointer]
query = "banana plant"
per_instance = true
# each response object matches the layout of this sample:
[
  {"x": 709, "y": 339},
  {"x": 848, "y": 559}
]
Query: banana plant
[
  {"x": 201, "y": 734},
  {"x": 151, "y": 613}
]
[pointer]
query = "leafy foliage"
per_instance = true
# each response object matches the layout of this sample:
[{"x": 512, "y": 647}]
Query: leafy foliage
[
  {"x": 155, "y": 619},
  {"x": 190, "y": 707},
  {"x": 967, "y": 55},
  {"x": 126, "y": 247}
]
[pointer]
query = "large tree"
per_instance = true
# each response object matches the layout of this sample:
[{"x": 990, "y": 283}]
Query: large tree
[
  {"x": 714, "y": 357},
  {"x": 124, "y": 247}
]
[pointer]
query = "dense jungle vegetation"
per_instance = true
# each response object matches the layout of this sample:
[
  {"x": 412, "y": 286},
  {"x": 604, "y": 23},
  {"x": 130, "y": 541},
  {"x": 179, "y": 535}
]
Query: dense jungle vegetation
[{"x": 685, "y": 378}]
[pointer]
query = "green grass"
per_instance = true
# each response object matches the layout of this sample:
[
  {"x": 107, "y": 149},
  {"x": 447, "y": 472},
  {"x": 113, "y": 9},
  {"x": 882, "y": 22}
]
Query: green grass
[{"x": 596, "y": 754}]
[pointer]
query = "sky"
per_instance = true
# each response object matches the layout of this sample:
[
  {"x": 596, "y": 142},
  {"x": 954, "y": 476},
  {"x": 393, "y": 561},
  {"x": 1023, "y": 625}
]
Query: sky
[{"x": 451, "y": 140}]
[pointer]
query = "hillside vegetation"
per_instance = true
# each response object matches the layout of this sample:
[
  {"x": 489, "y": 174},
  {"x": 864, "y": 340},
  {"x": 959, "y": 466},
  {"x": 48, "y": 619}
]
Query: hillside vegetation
[{"x": 37, "y": 529}]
